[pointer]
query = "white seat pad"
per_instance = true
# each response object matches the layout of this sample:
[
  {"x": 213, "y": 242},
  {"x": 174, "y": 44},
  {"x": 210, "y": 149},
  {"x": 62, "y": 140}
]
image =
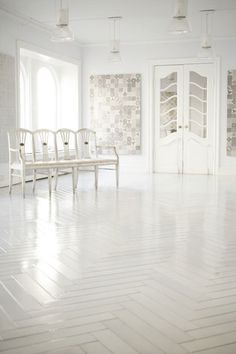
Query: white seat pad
[{"x": 64, "y": 163}]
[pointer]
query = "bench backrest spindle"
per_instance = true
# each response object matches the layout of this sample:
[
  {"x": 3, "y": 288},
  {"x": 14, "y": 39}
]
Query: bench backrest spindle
[
  {"x": 66, "y": 144},
  {"x": 86, "y": 140},
  {"x": 44, "y": 145}
]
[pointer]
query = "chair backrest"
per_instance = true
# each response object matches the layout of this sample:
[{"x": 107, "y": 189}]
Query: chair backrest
[
  {"x": 66, "y": 144},
  {"x": 21, "y": 139},
  {"x": 86, "y": 142},
  {"x": 44, "y": 145}
]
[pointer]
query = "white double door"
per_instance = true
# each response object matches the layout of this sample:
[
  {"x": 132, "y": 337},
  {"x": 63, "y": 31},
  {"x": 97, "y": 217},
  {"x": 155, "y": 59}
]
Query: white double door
[{"x": 184, "y": 119}]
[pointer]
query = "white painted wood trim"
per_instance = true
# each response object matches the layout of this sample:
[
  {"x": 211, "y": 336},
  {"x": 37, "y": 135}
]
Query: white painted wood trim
[
  {"x": 217, "y": 108},
  {"x": 216, "y": 104},
  {"x": 151, "y": 112},
  {"x": 181, "y": 61}
]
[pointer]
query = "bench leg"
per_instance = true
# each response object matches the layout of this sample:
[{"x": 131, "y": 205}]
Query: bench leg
[
  {"x": 77, "y": 176},
  {"x": 117, "y": 175},
  {"x": 50, "y": 182},
  {"x": 34, "y": 179},
  {"x": 23, "y": 182},
  {"x": 10, "y": 180},
  {"x": 56, "y": 179},
  {"x": 96, "y": 176},
  {"x": 74, "y": 179}
]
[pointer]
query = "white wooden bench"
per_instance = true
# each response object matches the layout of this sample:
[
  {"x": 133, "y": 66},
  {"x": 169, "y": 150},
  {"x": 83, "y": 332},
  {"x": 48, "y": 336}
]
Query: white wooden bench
[{"x": 46, "y": 152}]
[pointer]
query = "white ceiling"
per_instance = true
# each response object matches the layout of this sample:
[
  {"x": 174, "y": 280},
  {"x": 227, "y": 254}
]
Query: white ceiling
[{"x": 143, "y": 20}]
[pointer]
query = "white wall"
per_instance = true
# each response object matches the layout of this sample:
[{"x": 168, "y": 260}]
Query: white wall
[
  {"x": 13, "y": 30},
  {"x": 135, "y": 58},
  {"x": 227, "y": 51}
]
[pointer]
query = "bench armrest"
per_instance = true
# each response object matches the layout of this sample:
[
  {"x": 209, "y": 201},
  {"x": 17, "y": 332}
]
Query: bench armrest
[
  {"x": 19, "y": 153},
  {"x": 108, "y": 147}
]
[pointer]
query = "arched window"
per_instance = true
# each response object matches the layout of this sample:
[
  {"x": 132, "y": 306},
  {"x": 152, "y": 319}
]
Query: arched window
[
  {"x": 23, "y": 99},
  {"x": 46, "y": 99}
]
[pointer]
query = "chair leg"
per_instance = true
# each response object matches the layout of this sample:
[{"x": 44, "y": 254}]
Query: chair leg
[
  {"x": 96, "y": 176},
  {"x": 34, "y": 179},
  {"x": 10, "y": 180},
  {"x": 50, "y": 182},
  {"x": 23, "y": 182},
  {"x": 77, "y": 176},
  {"x": 73, "y": 179},
  {"x": 117, "y": 175},
  {"x": 56, "y": 179}
]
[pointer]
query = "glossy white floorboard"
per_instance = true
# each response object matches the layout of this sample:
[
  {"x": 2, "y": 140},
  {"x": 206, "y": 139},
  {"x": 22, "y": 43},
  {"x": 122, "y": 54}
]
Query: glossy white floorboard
[{"x": 149, "y": 268}]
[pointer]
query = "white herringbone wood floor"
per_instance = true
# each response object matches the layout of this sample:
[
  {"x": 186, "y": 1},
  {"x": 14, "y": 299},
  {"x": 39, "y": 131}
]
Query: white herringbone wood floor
[{"x": 149, "y": 268}]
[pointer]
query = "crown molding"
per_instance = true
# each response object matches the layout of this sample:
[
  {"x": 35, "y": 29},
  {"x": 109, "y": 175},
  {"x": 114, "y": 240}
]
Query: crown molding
[
  {"x": 26, "y": 20},
  {"x": 158, "y": 41}
]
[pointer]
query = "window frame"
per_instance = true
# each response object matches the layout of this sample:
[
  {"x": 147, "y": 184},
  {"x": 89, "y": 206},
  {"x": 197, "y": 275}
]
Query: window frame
[{"x": 21, "y": 45}]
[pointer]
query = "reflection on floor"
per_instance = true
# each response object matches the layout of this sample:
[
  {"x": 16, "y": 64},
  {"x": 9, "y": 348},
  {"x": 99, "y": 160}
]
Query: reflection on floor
[{"x": 149, "y": 268}]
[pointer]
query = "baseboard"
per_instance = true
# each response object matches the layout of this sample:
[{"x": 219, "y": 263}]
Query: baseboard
[{"x": 224, "y": 172}]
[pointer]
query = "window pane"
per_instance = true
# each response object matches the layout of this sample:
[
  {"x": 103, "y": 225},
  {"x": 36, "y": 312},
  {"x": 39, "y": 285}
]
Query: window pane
[
  {"x": 22, "y": 101},
  {"x": 46, "y": 100}
]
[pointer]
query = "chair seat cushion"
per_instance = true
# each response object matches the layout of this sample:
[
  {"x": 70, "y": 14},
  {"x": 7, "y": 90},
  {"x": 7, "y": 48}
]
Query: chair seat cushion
[
  {"x": 106, "y": 161},
  {"x": 64, "y": 163}
]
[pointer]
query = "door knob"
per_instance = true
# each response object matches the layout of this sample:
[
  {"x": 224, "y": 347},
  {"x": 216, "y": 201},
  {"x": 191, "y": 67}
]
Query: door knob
[
  {"x": 180, "y": 126},
  {"x": 186, "y": 127}
]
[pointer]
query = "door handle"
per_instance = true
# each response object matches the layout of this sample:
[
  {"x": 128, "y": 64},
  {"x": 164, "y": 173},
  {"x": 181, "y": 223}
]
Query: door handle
[
  {"x": 180, "y": 126},
  {"x": 186, "y": 127}
]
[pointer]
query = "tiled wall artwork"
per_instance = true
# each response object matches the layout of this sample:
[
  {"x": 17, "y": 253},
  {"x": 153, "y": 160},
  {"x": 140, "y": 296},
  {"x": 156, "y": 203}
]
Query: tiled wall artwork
[
  {"x": 7, "y": 102},
  {"x": 115, "y": 111},
  {"x": 231, "y": 114}
]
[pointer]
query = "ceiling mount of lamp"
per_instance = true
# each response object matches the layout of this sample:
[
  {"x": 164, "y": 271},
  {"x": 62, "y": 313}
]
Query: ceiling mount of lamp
[
  {"x": 179, "y": 23},
  {"x": 62, "y": 32},
  {"x": 114, "y": 51}
]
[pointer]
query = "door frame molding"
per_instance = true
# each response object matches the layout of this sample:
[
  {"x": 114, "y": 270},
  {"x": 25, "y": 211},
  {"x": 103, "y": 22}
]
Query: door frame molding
[{"x": 216, "y": 104}]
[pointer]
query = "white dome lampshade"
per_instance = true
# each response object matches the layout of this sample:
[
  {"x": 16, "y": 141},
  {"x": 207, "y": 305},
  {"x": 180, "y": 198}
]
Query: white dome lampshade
[
  {"x": 179, "y": 23},
  {"x": 115, "y": 56},
  {"x": 62, "y": 32}
]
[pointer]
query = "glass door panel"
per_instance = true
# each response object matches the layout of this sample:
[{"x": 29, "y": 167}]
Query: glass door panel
[
  {"x": 198, "y": 104},
  {"x": 168, "y": 105},
  {"x": 169, "y": 117},
  {"x": 198, "y": 123}
]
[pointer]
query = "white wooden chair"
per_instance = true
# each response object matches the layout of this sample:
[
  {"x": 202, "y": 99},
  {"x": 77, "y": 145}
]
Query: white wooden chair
[
  {"x": 88, "y": 149},
  {"x": 66, "y": 149},
  {"x": 21, "y": 157}
]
